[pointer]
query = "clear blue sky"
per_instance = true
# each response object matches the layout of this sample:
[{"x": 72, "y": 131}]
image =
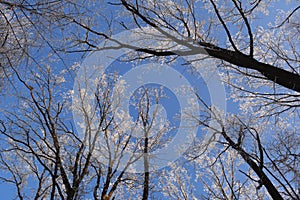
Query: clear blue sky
[{"x": 7, "y": 192}]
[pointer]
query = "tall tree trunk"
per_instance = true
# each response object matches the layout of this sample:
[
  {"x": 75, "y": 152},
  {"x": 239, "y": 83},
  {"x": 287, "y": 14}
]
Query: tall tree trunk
[{"x": 146, "y": 170}]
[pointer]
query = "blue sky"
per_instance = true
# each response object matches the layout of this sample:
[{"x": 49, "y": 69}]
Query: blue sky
[{"x": 7, "y": 192}]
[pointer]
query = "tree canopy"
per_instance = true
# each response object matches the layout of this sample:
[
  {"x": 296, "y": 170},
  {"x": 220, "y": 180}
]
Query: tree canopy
[{"x": 72, "y": 128}]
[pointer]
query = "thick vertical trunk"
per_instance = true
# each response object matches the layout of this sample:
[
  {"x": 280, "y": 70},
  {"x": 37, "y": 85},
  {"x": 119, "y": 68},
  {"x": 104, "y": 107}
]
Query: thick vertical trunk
[{"x": 146, "y": 171}]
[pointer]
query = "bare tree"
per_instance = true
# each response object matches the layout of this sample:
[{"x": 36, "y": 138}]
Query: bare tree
[
  {"x": 46, "y": 157},
  {"x": 257, "y": 147}
]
